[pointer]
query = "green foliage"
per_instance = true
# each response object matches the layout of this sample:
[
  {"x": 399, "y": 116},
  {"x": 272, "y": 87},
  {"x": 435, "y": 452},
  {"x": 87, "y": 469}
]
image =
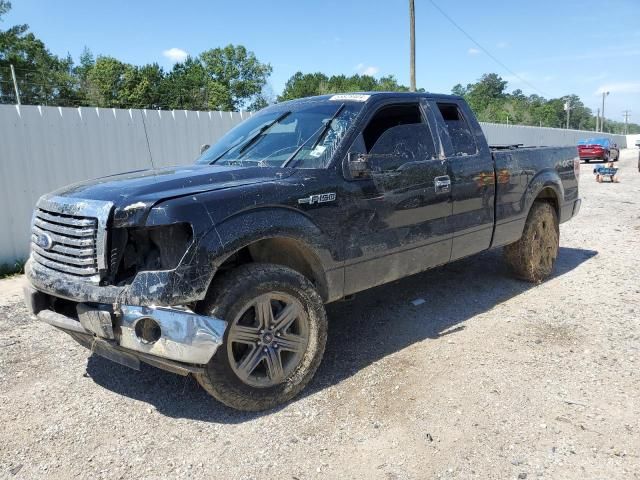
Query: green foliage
[
  {"x": 106, "y": 79},
  {"x": 186, "y": 86},
  {"x": 237, "y": 74},
  {"x": 232, "y": 78},
  {"x": 42, "y": 76},
  {"x": 10, "y": 269},
  {"x": 5, "y": 6},
  {"x": 309, "y": 84},
  {"x": 228, "y": 78},
  {"x": 489, "y": 99}
]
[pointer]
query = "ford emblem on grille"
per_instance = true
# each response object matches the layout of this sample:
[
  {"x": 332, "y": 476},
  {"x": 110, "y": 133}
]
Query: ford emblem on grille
[{"x": 44, "y": 240}]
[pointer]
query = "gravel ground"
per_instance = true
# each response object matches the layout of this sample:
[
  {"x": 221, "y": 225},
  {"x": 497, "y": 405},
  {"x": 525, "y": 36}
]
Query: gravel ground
[{"x": 490, "y": 377}]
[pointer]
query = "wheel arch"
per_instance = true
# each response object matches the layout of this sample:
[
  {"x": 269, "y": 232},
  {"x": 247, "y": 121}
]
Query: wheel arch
[
  {"x": 283, "y": 237},
  {"x": 546, "y": 186},
  {"x": 287, "y": 251}
]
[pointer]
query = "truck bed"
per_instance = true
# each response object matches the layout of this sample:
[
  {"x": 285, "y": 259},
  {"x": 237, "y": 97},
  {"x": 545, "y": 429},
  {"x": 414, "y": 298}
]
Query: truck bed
[{"x": 522, "y": 169}]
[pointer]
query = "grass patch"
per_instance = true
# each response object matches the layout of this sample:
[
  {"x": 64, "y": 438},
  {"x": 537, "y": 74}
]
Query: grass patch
[{"x": 11, "y": 269}]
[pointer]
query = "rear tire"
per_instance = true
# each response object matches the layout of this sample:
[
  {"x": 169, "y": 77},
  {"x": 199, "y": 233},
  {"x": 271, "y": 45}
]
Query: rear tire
[
  {"x": 532, "y": 258},
  {"x": 275, "y": 338}
]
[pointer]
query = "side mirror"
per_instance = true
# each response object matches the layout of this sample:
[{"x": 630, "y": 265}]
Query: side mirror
[
  {"x": 358, "y": 164},
  {"x": 204, "y": 148}
]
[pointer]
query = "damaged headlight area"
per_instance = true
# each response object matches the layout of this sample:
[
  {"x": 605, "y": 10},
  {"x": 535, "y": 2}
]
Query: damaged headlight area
[{"x": 140, "y": 249}]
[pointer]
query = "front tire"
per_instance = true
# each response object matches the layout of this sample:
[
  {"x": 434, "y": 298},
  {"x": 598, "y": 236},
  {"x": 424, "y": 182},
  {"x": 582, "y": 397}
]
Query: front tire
[
  {"x": 275, "y": 338},
  {"x": 533, "y": 256}
]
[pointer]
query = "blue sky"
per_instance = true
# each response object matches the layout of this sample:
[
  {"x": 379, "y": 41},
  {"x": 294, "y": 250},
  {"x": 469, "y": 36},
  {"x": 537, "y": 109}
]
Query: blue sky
[{"x": 559, "y": 47}]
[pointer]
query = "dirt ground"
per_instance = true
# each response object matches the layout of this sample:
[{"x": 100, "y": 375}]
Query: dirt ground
[{"x": 490, "y": 377}]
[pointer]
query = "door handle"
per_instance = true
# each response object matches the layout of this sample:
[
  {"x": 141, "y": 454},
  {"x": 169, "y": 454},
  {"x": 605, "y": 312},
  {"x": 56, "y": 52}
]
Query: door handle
[{"x": 442, "y": 184}]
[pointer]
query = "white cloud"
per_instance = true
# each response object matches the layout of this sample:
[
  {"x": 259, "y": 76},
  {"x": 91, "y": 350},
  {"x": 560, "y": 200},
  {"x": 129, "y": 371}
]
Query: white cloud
[
  {"x": 363, "y": 69},
  {"x": 175, "y": 54},
  {"x": 473, "y": 51},
  {"x": 502, "y": 44},
  {"x": 623, "y": 87}
]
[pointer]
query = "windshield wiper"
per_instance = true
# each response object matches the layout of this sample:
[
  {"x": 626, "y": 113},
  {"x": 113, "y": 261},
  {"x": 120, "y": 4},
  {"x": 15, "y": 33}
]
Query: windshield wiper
[
  {"x": 252, "y": 140},
  {"x": 323, "y": 131}
]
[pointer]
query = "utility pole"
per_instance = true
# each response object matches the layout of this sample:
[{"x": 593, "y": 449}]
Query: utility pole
[
  {"x": 567, "y": 107},
  {"x": 598, "y": 119},
  {"x": 626, "y": 114},
  {"x": 604, "y": 95},
  {"x": 412, "y": 39},
  {"x": 15, "y": 84}
]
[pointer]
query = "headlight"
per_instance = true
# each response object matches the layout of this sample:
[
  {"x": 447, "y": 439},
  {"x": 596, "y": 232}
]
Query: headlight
[{"x": 136, "y": 249}]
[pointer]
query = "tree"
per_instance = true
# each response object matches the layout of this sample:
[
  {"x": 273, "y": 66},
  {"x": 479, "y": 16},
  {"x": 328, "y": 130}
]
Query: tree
[
  {"x": 235, "y": 77},
  {"x": 489, "y": 90},
  {"x": 491, "y": 102},
  {"x": 43, "y": 78},
  {"x": 186, "y": 86},
  {"x": 81, "y": 72},
  {"x": 5, "y": 6},
  {"x": 105, "y": 81},
  {"x": 459, "y": 90},
  {"x": 390, "y": 84},
  {"x": 303, "y": 85},
  {"x": 229, "y": 78},
  {"x": 308, "y": 84}
]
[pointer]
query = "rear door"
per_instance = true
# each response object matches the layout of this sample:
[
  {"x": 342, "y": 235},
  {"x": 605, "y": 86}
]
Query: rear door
[{"x": 472, "y": 175}]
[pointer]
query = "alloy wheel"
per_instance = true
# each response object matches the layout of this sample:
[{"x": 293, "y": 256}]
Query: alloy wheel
[{"x": 268, "y": 338}]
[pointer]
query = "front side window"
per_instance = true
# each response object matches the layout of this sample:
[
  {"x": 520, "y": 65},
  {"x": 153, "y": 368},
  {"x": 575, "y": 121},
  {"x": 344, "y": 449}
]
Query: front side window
[
  {"x": 462, "y": 138},
  {"x": 303, "y": 137},
  {"x": 399, "y": 133}
]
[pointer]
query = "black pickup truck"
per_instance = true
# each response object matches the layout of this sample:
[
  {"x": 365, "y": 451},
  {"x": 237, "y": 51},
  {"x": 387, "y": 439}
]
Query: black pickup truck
[{"x": 221, "y": 269}]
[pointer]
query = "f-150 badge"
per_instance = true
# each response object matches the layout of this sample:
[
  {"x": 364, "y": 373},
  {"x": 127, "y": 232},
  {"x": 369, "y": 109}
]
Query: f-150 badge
[{"x": 319, "y": 198}]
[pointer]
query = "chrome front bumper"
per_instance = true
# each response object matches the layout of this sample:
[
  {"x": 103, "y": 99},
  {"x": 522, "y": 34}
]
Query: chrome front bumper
[
  {"x": 184, "y": 336},
  {"x": 177, "y": 335}
]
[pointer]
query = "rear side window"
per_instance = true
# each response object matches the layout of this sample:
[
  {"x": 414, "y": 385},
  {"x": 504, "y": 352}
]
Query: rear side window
[{"x": 462, "y": 139}]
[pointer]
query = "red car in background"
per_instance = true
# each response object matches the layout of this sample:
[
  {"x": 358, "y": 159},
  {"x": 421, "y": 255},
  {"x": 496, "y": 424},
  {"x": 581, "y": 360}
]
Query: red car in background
[{"x": 598, "y": 149}]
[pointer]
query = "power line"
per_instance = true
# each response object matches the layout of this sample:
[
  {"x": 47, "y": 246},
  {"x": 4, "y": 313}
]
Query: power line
[{"x": 487, "y": 52}]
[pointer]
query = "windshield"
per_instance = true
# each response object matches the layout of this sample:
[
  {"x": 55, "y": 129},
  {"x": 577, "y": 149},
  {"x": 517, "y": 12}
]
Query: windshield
[
  {"x": 305, "y": 137},
  {"x": 603, "y": 142}
]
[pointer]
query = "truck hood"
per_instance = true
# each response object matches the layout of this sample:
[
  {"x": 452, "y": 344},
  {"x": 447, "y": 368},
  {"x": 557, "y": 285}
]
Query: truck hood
[{"x": 152, "y": 186}]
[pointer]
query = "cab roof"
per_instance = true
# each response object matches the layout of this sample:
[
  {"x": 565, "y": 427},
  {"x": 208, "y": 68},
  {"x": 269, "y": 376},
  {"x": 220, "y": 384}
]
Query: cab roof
[{"x": 363, "y": 97}]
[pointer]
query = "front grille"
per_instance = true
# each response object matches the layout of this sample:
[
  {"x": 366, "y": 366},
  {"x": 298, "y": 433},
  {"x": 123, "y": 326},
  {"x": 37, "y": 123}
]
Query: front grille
[{"x": 66, "y": 243}]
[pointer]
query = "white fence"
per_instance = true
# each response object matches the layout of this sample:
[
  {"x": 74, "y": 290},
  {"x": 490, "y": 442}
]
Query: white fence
[
  {"x": 45, "y": 148},
  {"x": 633, "y": 140},
  {"x": 501, "y": 134}
]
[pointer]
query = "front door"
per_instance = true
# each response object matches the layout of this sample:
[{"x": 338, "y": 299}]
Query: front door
[{"x": 397, "y": 224}]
